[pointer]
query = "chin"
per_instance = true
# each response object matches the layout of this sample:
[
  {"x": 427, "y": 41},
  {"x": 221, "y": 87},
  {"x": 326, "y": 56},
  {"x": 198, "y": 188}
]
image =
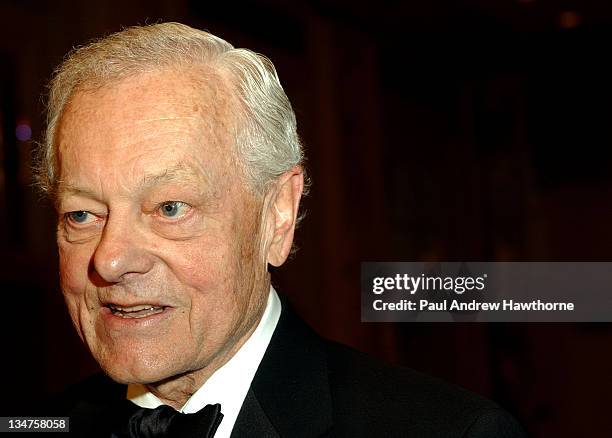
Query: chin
[
  {"x": 142, "y": 376},
  {"x": 130, "y": 369}
]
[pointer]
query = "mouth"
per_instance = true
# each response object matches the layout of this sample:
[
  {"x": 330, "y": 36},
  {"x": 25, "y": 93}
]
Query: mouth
[{"x": 135, "y": 312}]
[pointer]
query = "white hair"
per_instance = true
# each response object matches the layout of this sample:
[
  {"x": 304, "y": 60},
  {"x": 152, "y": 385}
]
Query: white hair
[{"x": 267, "y": 144}]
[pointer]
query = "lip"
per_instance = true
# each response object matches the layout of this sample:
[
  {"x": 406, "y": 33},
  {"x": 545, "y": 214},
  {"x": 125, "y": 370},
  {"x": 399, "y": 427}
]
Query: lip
[
  {"x": 133, "y": 303},
  {"x": 116, "y": 322}
]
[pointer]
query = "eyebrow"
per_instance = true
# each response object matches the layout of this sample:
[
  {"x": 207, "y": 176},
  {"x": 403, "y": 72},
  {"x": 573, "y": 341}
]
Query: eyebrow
[{"x": 179, "y": 172}]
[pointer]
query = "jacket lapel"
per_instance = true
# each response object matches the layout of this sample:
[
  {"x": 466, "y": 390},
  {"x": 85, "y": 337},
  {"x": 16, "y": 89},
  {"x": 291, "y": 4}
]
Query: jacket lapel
[
  {"x": 291, "y": 384},
  {"x": 253, "y": 421}
]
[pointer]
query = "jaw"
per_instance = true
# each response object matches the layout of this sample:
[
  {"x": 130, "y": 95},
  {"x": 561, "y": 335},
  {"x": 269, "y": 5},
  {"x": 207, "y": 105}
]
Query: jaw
[{"x": 140, "y": 361}]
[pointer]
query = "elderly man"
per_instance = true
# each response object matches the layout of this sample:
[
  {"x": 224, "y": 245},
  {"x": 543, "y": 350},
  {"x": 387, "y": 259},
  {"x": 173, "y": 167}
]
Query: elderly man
[{"x": 175, "y": 168}]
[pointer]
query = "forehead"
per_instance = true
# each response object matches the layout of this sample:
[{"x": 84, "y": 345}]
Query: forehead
[{"x": 146, "y": 124}]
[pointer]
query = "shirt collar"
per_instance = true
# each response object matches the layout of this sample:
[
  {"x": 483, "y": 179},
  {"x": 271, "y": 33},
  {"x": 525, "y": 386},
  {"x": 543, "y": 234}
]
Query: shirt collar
[{"x": 230, "y": 383}]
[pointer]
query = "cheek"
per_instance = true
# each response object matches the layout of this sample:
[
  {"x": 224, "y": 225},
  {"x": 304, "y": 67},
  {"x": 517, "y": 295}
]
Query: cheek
[
  {"x": 207, "y": 273},
  {"x": 73, "y": 281},
  {"x": 73, "y": 267},
  {"x": 204, "y": 263}
]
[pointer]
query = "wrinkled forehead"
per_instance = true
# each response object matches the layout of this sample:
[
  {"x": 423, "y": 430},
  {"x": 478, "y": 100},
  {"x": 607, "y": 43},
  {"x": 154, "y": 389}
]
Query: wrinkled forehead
[
  {"x": 153, "y": 117},
  {"x": 201, "y": 94}
]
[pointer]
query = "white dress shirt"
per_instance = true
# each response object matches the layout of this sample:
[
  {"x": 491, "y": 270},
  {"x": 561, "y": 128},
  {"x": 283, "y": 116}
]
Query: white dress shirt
[{"x": 230, "y": 383}]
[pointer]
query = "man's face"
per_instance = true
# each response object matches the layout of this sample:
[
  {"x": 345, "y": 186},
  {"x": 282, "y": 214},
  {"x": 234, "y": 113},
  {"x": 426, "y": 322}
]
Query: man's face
[{"x": 160, "y": 258}]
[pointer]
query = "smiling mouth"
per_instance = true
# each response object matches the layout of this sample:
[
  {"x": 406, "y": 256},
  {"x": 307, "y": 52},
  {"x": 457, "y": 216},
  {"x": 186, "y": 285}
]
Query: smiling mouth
[{"x": 140, "y": 311}]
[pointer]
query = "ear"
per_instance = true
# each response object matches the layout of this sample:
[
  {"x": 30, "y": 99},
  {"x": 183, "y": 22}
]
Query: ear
[{"x": 282, "y": 214}]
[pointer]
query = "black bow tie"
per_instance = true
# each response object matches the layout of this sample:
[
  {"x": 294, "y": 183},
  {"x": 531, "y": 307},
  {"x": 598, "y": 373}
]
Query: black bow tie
[{"x": 164, "y": 421}]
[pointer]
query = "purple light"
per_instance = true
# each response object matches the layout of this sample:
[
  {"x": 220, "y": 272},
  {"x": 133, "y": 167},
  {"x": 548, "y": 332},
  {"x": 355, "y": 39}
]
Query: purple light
[{"x": 23, "y": 132}]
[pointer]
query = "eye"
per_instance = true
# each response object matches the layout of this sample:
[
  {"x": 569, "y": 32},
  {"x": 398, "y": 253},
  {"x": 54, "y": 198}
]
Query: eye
[
  {"x": 173, "y": 209},
  {"x": 80, "y": 217}
]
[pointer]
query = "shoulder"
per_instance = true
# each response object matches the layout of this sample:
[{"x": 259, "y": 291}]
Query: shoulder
[
  {"x": 91, "y": 405},
  {"x": 95, "y": 390},
  {"x": 372, "y": 396},
  {"x": 352, "y": 394}
]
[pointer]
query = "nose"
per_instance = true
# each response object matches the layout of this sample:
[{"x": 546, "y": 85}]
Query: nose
[{"x": 120, "y": 253}]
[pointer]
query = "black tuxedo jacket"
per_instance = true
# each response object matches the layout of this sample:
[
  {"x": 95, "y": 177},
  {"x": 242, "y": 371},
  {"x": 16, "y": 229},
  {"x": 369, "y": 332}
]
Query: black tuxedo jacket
[{"x": 308, "y": 387}]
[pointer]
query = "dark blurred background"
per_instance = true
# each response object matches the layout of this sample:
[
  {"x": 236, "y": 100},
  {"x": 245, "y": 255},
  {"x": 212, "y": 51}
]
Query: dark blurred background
[{"x": 475, "y": 130}]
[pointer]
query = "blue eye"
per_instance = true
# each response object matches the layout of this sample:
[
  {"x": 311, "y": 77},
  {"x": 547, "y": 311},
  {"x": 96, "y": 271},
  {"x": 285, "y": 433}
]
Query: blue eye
[
  {"x": 173, "y": 209},
  {"x": 80, "y": 217}
]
